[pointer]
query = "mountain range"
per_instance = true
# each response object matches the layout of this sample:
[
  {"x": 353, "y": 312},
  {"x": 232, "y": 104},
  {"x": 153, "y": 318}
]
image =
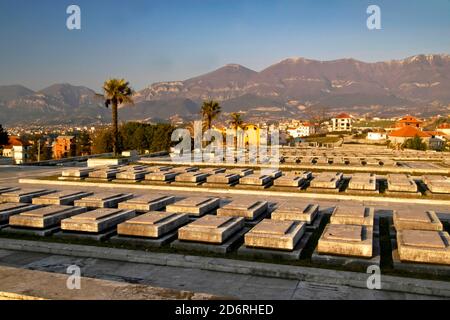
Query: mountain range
[{"x": 295, "y": 87}]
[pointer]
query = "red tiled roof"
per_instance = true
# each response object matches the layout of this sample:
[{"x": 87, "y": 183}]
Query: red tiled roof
[
  {"x": 409, "y": 132},
  {"x": 15, "y": 141},
  {"x": 409, "y": 119},
  {"x": 343, "y": 115},
  {"x": 444, "y": 126}
]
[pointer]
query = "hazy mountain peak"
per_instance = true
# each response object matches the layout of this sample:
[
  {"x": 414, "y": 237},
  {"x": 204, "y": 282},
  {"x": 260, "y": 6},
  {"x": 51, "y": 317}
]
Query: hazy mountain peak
[{"x": 14, "y": 91}]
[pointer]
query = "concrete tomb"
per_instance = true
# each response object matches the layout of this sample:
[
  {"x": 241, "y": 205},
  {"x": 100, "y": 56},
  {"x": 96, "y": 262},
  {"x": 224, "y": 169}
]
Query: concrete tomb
[
  {"x": 246, "y": 208},
  {"x": 159, "y": 168},
  {"x": 9, "y": 209},
  {"x": 103, "y": 200},
  {"x": 416, "y": 220},
  {"x": 191, "y": 177},
  {"x": 273, "y": 234},
  {"x": 241, "y": 172},
  {"x": 437, "y": 184},
  {"x": 356, "y": 215},
  {"x": 104, "y": 174},
  {"x": 163, "y": 176},
  {"x": 273, "y": 173},
  {"x": 23, "y": 195},
  {"x": 148, "y": 202},
  {"x": 424, "y": 246},
  {"x": 194, "y": 206},
  {"x": 96, "y": 221},
  {"x": 132, "y": 175},
  {"x": 210, "y": 171},
  {"x": 255, "y": 180},
  {"x": 211, "y": 229},
  {"x": 401, "y": 183},
  {"x": 76, "y": 173},
  {"x": 327, "y": 180},
  {"x": 289, "y": 181},
  {"x": 346, "y": 240},
  {"x": 223, "y": 178},
  {"x": 363, "y": 182},
  {"x": 296, "y": 212},
  {"x": 66, "y": 197},
  {"x": 184, "y": 169},
  {"x": 44, "y": 217},
  {"x": 152, "y": 224}
]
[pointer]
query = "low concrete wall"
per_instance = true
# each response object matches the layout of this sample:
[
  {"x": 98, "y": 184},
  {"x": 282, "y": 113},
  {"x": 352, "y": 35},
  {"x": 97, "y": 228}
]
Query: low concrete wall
[{"x": 333, "y": 277}]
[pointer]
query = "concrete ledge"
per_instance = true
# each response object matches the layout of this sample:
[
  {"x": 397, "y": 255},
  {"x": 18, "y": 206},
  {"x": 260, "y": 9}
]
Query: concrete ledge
[
  {"x": 353, "y": 279},
  {"x": 269, "y": 193},
  {"x": 22, "y": 284}
]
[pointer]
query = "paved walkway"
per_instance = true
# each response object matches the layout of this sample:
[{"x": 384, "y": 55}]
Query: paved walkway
[{"x": 212, "y": 282}]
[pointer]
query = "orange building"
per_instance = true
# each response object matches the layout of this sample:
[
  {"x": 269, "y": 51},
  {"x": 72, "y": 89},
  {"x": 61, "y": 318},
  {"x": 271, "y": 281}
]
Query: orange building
[
  {"x": 64, "y": 147},
  {"x": 408, "y": 121}
]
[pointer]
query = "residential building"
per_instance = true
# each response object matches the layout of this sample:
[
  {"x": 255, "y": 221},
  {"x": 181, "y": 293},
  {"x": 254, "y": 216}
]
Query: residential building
[
  {"x": 302, "y": 130},
  {"x": 445, "y": 128},
  {"x": 64, "y": 147},
  {"x": 408, "y": 121},
  {"x": 377, "y": 135},
  {"x": 342, "y": 122},
  {"x": 16, "y": 149}
]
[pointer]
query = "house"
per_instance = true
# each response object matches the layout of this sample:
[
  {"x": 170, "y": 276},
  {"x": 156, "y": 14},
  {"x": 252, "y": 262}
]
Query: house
[
  {"x": 445, "y": 128},
  {"x": 408, "y": 121},
  {"x": 377, "y": 135},
  {"x": 64, "y": 147},
  {"x": 342, "y": 122},
  {"x": 16, "y": 149},
  {"x": 399, "y": 136},
  {"x": 302, "y": 130}
]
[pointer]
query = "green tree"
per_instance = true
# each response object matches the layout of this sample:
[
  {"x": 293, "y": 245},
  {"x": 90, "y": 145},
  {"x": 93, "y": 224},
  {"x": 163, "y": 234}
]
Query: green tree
[
  {"x": 4, "y": 138},
  {"x": 83, "y": 143},
  {"x": 210, "y": 110},
  {"x": 415, "y": 143},
  {"x": 117, "y": 91},
  {"x": 102, "y": 141}
]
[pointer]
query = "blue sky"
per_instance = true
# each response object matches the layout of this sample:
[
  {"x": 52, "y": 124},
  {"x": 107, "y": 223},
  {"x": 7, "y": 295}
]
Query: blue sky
[{"x": 148, "y": 41}]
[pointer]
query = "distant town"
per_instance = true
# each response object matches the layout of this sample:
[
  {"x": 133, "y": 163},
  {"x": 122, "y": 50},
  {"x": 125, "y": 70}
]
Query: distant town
[{"x": 28, "y": 144}]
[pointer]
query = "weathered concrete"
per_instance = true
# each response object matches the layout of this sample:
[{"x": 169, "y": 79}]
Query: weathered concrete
[
  {"x": 66, "y": 197},
  {"x": 152, "y": 224},
  {"x": 194, "y": 206},
  {"x": 147, "y": 202},
  {"x": 413, "y": 220},
  {"x": 248, "y": 209},
  {"x": 96, "y": 221},
  {"x": 296, "y": 212},
  {"x": 103, "y": 200}
]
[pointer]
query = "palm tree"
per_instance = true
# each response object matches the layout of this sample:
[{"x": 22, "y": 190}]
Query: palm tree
[
  {"x": 116, "y": 92},
  {"x": 236, "y": 122},
  {"x": 210, "y": 110}
]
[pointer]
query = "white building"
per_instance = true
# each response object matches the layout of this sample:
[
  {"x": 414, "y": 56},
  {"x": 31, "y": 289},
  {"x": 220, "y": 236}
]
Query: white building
[
  {"x": 17, "y": 150},
  {"x": 342, "y": 122},
  {"x": 303, "y": 130},
  {"x": 377, "y": 135}
]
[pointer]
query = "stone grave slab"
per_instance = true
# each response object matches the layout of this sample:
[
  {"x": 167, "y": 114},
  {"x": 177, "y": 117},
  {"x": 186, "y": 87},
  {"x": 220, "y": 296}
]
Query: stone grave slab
[
  {"x": 424, "y": 246},
  {"x": 163, "y": 176},
  {"x": 43, "y": 219},
  {"x": 416, "y": 220},
  {"x": 9, "y": 209},
  {"x": 210, "y": 229},
  {"x": 152, "y": 224},
  {"x": 194, "y": 206},
  {"x": 363, "y": 182},
  {"x": 66, "y": 197},
  {"x": 96, "y": 221},
  {"x": 24, "y": 195},
  {"x": 103, "y": 200},
  {"x": 148, "y": 202},
  {"x": 346, "y": 240},
  {"x": 222, "y": 179},
  {"x": 241, "y": 172},
  {"x": 245, "y": 208},
  {"x": 356, "y": 215},
  {"x": 190, "y": 178},
  {"x": 275, "y": 234},
  {"x": 401, "y": 183},
  {"x": 296, "y": 212}
]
